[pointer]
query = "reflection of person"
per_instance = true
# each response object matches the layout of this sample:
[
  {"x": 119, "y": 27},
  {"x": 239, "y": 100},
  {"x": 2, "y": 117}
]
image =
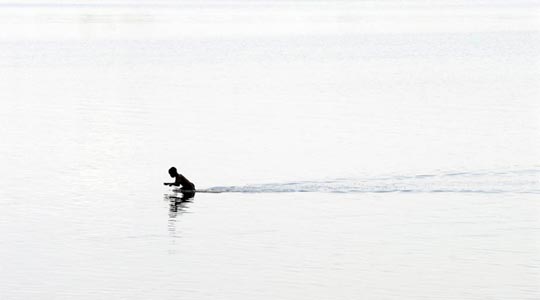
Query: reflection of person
[
  {"x": 178, "y": 203},
  {"x": 180, "y": 180}
]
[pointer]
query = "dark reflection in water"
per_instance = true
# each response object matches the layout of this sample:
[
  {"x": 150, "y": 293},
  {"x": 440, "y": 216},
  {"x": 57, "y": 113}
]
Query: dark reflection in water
[{"x": 178, "y": 202}]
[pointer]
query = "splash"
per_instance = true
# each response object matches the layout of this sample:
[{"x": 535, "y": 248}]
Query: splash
[{"x": 515, "y": 181}]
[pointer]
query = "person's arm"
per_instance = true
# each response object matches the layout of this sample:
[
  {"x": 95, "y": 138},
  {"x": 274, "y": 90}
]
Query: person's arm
[
  {"x": 177, "y": 180},
  {"x": 175, "y": 183}
]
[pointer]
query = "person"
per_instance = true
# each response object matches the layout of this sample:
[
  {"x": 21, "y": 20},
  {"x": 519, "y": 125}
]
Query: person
[{"x": 180, "y": 180}]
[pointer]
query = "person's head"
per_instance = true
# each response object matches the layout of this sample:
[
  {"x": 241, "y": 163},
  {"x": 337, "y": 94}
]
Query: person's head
[{"x": 173, "y": 172}]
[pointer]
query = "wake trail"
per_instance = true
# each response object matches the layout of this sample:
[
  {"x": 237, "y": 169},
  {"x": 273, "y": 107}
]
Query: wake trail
[{"x": 513, "y": 181}]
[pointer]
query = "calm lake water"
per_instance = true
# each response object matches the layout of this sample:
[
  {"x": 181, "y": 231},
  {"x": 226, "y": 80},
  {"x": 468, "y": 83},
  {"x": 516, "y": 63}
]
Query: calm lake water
[{"x": 360, "y": 150}]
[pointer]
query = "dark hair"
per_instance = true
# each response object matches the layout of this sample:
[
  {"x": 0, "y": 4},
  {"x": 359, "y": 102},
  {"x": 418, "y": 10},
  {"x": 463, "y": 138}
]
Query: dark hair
[{"x": 173, "y": 170}]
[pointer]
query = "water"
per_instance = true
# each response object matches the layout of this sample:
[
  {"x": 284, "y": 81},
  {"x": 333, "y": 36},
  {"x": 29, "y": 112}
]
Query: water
[
  {"x": 360, "y": 150},
  {"x": 515, "y": 181}
]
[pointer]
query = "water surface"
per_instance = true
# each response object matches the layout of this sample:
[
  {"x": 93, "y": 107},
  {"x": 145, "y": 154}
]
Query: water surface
[{"x": 361, "y": 149}]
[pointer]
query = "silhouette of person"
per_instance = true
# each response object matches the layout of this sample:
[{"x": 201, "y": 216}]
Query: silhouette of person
[{"x": 180, "y": 180}]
